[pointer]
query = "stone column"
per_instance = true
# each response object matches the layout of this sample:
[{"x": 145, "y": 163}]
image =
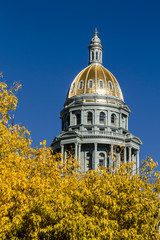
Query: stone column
[
  {"x": 95, "y": 117},
  {"x": 134, "y": 165},
  {"x": 65, "y": 153},
  {"x": 137, "y": 162},
  {"x": 124, "y": 154},
  {"x": 79, "y": 152},
  {"x": 108, "y": 119},
  {"x": 130, "y": 154},
  {"x": 76, "y": 151},
  {"x": 118, "y": 159},
  {"x": 120, "y": 120},
  {"x": 127, "y": 122},
  {"x": 71, "y": 118},
  {"x": 95, "y": 161},
  {"x": 62, "y": 152},
  {"x": 111, "y": 156}
]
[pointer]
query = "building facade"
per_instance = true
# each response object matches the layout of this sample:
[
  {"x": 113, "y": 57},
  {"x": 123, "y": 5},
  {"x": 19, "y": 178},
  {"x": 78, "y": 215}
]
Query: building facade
[{"x": 95, "y": 118}]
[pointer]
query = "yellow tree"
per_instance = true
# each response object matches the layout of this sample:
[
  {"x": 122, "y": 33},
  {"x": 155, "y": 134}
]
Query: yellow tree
[{"x": 43, "y": 199}]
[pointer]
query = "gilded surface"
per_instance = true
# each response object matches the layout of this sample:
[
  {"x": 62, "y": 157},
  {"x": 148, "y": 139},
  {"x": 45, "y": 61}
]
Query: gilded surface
[
  {"x": 91, "y": 75},
  {"x": 101, "y": 76},
  {"x": 96, "y": 73},
  {"x": 82, "y": 77}
]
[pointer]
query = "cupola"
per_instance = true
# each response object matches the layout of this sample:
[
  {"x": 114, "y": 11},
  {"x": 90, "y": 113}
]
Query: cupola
[{"x": 95, "y": 49}]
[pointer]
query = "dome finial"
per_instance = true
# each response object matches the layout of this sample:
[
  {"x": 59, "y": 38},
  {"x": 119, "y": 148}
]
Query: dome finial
[{"x": 95, "y": 32}]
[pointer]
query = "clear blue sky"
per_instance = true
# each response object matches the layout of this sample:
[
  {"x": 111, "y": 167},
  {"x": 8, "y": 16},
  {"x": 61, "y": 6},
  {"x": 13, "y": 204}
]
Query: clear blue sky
[{"x": 43, "y": 44}]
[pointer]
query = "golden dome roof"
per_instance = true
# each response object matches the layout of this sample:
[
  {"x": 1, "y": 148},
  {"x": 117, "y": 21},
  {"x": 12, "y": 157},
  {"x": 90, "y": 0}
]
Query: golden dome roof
[{"x": 95, "y": 79}]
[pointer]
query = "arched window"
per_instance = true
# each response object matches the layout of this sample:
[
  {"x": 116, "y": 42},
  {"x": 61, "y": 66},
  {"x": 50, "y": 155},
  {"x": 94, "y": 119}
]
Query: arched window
[
  {"x": 73, "y": 86},
  {"x": 62, "y": 124},
  {"x": 89, "y": 161},
  {"x": 68, "y": 121},
  {"x": 101, "y": 85},
  {"x": 92, "y": 55},
  {"x": 110, "y": 85},
  {"x": 89, "y": 118},
  {"x": 78, "y": 116},
  {"x": 96, "y": 55},
  {"x": 102, "y": 118},
  {"x": 101, "y": 160},
  {"x": 80, "y": 85},
  {"x": 113, "y": 119},
  {"x": 90, "y": 83}
]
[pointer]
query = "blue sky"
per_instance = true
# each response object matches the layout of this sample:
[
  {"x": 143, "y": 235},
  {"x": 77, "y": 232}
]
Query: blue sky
[{"x": 44, "y": 45}]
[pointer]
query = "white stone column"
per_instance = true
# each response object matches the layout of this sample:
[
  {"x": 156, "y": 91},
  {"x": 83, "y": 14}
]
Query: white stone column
[
  {"x": 108, "y": 119},
  {"x": 124, "y": 154},
  {"x": 79, "y": 152},
  {"x": 120, "y": 120},
  {"x": 111, "y": 156},
  {"x": 118, "y": 160},
  {"x": 134, "y": 164},
  {"x": 130, "y": 154},
  {"x": 76, "y": 151},
  {"x": 71, "y": 118},
  {"x": 95, "y": 163},
  {"x": 62, "y": 152},
  {"x": 127, "y": 123},
  {"x": 65, "y": 153},
  {"x": 95, "y": 117},
  {"x": 137, "y": 162}
]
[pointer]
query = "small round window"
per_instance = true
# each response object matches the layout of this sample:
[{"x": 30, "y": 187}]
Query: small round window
[
  {"x": 110, "y": 85},
  {"x": 101, "y": 85},
  {"x": 80, "y": 85},
  {"x": 90, "y": 83}
]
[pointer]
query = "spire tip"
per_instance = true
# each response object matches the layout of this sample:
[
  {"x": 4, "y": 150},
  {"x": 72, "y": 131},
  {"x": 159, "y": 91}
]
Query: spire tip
[{"x": 95, "y": 32}]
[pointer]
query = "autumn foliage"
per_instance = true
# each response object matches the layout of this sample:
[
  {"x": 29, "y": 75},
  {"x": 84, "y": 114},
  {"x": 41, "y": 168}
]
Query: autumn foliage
[{"x": 41, "y": 198}]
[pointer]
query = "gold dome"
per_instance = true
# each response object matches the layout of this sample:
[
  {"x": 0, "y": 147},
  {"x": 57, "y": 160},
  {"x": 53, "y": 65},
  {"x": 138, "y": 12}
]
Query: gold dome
[{"x": 95, "y": 79}]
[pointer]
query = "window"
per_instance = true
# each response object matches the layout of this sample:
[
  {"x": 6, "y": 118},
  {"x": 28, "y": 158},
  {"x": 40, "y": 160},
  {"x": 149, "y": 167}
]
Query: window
[
  {"x": 92, "y": 55},
  {"x": 101, "y": 85},
  {"x": 90, "y": 83},
  {"x": 101, "y": 130},
  {"x": 80, "y": 85},
  {"x": 89, "y": 118},
  {"x": 89, "y": 161},
  {"x": 73, "y": 86},
  {"x": 113, "y": 119},
  {"x": 124, "y": 120},
  {"x": 89, "y": 130},
  {"x": 101, "y": 160},
  {"x": 68, "y": 121},
  {"x": 110, "y": 85},
  {"x": 62, "y": 124},
  {"x": 96, "y": 55},
  {"x": 78, "y": 116},
  {"x": 102, "y": 118}
]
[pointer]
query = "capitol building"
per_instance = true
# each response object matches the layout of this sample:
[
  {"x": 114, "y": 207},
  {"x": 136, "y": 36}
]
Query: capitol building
[{"x": 95, "y": 118}]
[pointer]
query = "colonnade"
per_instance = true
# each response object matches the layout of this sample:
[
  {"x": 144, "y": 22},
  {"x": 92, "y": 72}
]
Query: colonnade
[{"x": 132, "y": 156}]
